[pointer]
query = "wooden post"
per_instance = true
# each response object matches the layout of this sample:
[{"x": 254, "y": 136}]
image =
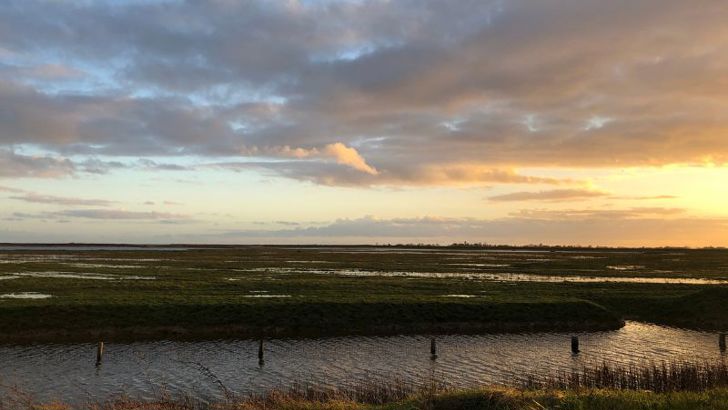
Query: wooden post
[
  {"x": 260, "y": 353},
  {"x": 99, "y": 353},
  {"x": 575, "y": 344},
  {"x": 721, "y": 342},
  {"x": 433, "y": 349}
]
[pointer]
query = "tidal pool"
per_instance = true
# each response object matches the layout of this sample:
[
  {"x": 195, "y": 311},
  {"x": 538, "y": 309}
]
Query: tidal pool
[{"x": 25, "y": 295}]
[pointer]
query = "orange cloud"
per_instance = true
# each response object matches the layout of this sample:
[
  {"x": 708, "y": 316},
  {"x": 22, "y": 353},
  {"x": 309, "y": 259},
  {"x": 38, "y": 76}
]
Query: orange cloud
[
  {"x": 337, "y": 151},
  {"x": 552, "y": 195},
  {"x": 349, "y": 156}
]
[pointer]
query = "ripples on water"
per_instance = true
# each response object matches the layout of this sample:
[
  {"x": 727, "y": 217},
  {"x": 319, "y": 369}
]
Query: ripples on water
[{"x": 142, "y": 370}]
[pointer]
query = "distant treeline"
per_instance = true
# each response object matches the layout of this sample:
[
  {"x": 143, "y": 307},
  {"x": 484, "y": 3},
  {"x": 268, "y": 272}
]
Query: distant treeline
[
  {"x": 540, "y": 246},
  {"x": 420, "y": 245}
]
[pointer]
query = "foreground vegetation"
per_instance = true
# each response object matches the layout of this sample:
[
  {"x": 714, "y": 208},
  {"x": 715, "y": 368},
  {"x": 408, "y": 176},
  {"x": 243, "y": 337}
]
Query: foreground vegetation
[
  {"x": 481, "y": 399},
  {"x": 205, "y": 292}
]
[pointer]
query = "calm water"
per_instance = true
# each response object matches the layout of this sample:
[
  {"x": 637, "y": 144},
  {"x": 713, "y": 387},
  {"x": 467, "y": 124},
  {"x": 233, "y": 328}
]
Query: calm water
[{"x": 142, "y": 370}]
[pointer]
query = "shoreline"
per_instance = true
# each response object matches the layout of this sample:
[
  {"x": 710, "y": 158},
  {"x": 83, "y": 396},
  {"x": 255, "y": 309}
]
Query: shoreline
[
  {"x": 117, "y": 322},
  {"x": 234, "y": 332}
]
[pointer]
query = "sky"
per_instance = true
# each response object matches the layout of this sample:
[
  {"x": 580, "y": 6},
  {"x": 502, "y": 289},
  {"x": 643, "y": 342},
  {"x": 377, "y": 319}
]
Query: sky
[{"x": 564, "y": 122}]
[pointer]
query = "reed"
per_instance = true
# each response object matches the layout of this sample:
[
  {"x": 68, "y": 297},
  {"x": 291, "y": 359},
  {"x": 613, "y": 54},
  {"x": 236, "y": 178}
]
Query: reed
[
  {"x": 297, "y": 395},
  {"x": 371, "y": 393},
  {"x": 656, "y": 377}
]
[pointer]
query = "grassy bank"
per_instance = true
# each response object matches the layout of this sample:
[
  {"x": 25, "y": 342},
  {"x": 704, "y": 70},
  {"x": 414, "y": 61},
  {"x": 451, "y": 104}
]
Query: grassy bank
[
  {"x": 482, "y": 399},
  {"x": 125, "y": 322},
  {"x": 153, "y": 293},
  {"x": 702, "y": 309},
  {"x": 489, "y": 399}
]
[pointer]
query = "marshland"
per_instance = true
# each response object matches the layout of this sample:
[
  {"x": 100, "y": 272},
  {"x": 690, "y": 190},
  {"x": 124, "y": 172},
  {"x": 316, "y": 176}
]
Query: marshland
[{"x": 189, "y": 321}]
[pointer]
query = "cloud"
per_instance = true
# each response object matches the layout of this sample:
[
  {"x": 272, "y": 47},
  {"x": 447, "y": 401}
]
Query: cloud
[
  {"x": 9, "y": 189},
  {"x": 153, "y": 165},
  {"x": 54, "y": 71},
  {"x": 59, "y": 200},
  {"x": 115, "y": 214},
  {"x": 327, "y": 174},
  {"x": 349, "y": 156},
  {"x": 403, "y": 93},
  {"x": 643, "y": 197},
  {"x": 627, "y": 213},
  {"x": 551, "y": 195},
  {"x": 99, "y": 167},
  {"x": 44, "y": 72},
  {"x": 102, "y": 215},
  {"x": 14, "y": 165},
  {"x": 337, "y": 151}
]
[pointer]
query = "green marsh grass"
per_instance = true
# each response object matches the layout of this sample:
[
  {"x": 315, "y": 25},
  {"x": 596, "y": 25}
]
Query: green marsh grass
[{"x": 207, "y": 292}]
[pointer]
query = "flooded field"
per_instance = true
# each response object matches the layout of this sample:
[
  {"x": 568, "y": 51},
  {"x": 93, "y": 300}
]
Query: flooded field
[
  {"x": 86, "y": 294},
  {"x": 551, "y": 265},
  {"x": 496, "y": 277}
]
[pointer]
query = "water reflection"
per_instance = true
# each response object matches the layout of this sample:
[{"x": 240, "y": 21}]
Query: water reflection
[
  {"x": 143, "y": 370},
  {"x": 488, "y": 276}
]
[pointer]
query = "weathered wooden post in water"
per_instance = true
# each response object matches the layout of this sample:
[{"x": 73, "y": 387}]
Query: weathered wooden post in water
[
  {"x": 433, "y": 349},
  {"x": 575, "y": 344},
  {"x": 260, "y": 353},
  {"x": 99, "y": 353},
  {"x": 721, "y": 342}
]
